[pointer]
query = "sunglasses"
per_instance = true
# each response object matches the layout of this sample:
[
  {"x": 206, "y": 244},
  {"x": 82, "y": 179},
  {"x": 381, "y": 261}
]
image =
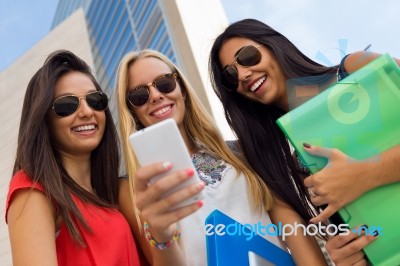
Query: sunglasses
[
  {"x": 67, "y": 105},
  {"x": 246, "y": 57},
  {"x": 141, "y": 95}
]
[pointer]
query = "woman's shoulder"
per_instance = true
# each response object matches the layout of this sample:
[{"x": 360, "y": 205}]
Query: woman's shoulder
[
  {"x": 354, "y": 61},
  {"x": 22, "y": 180}
]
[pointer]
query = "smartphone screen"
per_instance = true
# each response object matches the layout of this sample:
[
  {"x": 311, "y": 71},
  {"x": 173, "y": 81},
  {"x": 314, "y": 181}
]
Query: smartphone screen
[{"x": 162, "y": 142}]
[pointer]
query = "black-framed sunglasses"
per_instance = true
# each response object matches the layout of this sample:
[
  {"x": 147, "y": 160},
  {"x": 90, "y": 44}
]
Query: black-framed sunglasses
[
  {"x": 247, "y": 56},
  {"x": 140, "y": 95},
  {"x": 68, "y": 104}
]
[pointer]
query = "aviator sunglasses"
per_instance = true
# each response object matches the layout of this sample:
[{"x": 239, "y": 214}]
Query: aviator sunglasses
[
  {"x": 247, "y": 56},
  {"x": 68, "y": 104},
  {"x": 140, "y": 95}
]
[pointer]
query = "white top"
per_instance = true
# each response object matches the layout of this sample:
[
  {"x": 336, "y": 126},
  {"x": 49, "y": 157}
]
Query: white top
[{"x": 228, "y": 194}]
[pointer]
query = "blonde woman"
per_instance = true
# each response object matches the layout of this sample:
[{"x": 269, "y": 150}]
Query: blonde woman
[{"x": 150, "y": 89}]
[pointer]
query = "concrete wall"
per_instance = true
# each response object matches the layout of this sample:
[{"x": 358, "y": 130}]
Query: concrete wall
[{"x": 193, "y": 27}]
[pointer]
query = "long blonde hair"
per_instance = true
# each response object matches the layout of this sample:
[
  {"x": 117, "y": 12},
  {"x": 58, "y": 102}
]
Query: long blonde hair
[{"x": 197, "y": 123}]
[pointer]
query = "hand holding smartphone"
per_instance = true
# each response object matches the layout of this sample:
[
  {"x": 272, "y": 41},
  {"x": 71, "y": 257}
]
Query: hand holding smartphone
[{"x": 162, "y": 142}]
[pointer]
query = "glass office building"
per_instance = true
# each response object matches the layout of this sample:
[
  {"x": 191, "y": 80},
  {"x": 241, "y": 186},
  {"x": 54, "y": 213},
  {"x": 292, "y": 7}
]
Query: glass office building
[
  {"x": 116, "y": 27},
  {"x": 180, "y": 29},
  {"x": 101, "y": 32}
]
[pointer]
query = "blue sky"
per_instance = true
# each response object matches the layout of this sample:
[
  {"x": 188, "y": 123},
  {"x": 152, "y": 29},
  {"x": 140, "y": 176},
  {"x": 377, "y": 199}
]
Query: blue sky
[
  {"x": 314, "y": 26},
  {"x": 22, "y": 24},
  {"x": 322, "y": 27}
]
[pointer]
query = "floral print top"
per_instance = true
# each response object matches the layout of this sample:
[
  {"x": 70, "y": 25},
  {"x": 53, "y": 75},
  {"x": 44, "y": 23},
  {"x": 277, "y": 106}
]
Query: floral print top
[{"x": 210, "y": 168}]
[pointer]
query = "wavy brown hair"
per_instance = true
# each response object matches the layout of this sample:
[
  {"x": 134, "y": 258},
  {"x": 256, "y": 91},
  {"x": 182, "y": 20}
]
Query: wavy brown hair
[
  {"x": 38, "y": 157},
  {"x": 263, "y": 143}
]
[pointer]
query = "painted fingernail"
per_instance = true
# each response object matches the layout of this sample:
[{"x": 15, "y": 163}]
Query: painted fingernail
[
  {"x": 306, "y": 145},
  {"x": 167, "y": 165},
  {"x": 200, "y": 185},
  {"x": 375, "y": 233},
  {"x": 364, "y": 227},
  {"x": 189, "y": 172},
  {"x": 200, "y": 203}
]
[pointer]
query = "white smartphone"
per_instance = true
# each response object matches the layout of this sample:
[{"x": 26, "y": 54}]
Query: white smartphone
[{"x": 162, "y": 142}]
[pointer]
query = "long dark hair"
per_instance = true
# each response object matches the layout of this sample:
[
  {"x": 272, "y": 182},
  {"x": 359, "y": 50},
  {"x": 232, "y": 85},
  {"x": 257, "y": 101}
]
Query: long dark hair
[
  {"x": 262, "y": 142},
  {"x": 37, "y": 156}
]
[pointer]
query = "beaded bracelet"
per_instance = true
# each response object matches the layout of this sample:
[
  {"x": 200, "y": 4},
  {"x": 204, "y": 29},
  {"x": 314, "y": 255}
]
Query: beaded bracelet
[{"x": 154, "y": 242}]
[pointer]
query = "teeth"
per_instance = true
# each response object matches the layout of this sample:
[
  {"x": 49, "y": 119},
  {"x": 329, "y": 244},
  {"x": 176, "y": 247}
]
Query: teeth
[
  {"x": 83, "y": 128},
  {"x": 162, "y": 110},
  {"x": 257, "y": 84}
]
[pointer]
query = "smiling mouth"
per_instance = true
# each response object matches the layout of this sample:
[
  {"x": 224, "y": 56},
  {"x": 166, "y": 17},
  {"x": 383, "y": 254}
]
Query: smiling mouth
[
  {"x": 257, "y": 85},
  {"x": 84, "y": 128},
  {"x": 162, "y": 110}
]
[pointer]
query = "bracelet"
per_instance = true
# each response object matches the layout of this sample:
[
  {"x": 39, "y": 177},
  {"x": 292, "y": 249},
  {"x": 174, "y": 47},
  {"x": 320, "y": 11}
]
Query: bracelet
[{"x": 154, "y": 242}]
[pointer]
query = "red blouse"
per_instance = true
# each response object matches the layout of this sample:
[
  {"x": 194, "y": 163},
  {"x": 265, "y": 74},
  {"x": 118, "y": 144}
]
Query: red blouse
[{"x": 110, "y": 243}]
